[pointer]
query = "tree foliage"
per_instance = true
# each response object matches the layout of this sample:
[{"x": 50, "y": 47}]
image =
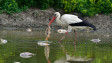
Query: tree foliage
[
  {"x": 85, "y": 7},
  {"x": 88, "y": 7}
]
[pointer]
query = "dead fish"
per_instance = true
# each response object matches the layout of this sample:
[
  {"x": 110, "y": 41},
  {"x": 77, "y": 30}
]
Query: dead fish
[
  {"x": 95, "y": 40},
  {"x": 45, "y": 41},
  {"x": 42, "y": 43},
  {"x": 61, "y": 31},
  {"x": 16, "y": 62},
  {"x": 3, "y": 41},
  {"x": 28, "y": 30},
  {"x": 26, "y": 54}
]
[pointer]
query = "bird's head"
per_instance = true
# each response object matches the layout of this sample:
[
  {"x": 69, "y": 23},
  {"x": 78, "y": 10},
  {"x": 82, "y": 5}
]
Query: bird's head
[{"x": 54, "y": 17}]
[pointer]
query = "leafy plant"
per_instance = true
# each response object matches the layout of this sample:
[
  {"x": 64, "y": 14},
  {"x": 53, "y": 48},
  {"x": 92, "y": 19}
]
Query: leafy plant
[
  {"x": 10, "y": 6},
  {"x": 69, "y": 5},
  {"x": 27, "y": 3},
  {"x": 88, "y": 7},
  {"x": 24, "y": 8},
  {"x": 85, "y": 7},
  {"x": 105, "y": 6},
  {"x": 44, "y": 4}
]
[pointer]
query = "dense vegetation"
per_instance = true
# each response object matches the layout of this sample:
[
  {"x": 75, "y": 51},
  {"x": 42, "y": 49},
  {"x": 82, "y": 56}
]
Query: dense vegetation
[{"x": 85, "y": 7}]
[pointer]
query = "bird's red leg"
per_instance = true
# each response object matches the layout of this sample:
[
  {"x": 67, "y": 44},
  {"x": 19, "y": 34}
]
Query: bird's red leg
[
  {"x": 75, "y": 40},
  {"x": 75, "y": 37},
  {"x": 63, "y": 36}
]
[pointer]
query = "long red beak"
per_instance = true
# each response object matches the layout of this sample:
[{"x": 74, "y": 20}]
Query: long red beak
[{"x": 52, "y": 20}]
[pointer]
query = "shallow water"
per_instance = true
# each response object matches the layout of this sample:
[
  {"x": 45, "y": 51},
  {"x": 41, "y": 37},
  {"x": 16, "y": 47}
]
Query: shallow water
[{"x": 85, "y": 51}]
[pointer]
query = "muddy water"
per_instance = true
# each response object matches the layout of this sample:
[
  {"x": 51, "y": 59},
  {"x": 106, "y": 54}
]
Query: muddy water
[{"x": 85, "y": 51}]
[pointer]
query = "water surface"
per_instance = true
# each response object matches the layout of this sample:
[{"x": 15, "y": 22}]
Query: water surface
[{"x": 85, "y": 51}]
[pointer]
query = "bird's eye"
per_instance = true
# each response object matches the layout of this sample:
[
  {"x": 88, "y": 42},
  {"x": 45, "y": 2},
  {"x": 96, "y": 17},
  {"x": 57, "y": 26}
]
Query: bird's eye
[
  {"x": 54, "y": 14},
  {"x": 49, "y": 19}
]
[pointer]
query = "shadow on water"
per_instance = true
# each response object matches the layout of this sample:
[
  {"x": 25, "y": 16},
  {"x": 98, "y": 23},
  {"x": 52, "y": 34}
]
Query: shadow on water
[{"x": 85, "y": 51}]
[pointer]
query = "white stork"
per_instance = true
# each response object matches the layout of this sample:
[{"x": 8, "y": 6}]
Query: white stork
[{"x": 70, "y": 21}]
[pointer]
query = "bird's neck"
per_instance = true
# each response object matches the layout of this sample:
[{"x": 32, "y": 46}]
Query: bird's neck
[
  {"x": 58, "y": 18},
  {"x": 59, "y": 21}
]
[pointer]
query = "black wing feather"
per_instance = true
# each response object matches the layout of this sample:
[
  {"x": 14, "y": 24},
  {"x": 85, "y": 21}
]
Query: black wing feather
[{"x": 83, "y": 23}]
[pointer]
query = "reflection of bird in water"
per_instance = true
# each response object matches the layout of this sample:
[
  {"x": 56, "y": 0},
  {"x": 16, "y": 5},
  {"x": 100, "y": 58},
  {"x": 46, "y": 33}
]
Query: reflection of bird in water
[
  {"x": 3, "y": 41},
  {"x": 72, "y": 58},
  {"x": 46, "y": 52},
  {"x": 69, "y": 59},
  {"x": 70, "y": 21}
]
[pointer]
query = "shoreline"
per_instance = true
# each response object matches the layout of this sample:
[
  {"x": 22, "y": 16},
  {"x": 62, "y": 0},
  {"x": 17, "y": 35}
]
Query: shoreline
[{"x": 36, "y": 18}]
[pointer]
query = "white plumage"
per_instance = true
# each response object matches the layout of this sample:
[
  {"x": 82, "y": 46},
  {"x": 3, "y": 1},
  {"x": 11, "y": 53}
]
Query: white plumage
[
  {"x": 70, "y": 21},
  {"x": 66, "y": 19}
]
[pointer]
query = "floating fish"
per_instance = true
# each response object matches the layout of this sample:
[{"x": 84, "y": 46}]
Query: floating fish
[
  {"x": 45, "y": 41},
  {"x": 61, "y": 31},
  {"x": 3, "y": 41},
  {"x": 95, "y": 40},
  {"x": 42, "y": 43},
  {"x": 16, "y": 62},
  {"x": 28, "y": 30},
  {"x": 26, "y": 54}
]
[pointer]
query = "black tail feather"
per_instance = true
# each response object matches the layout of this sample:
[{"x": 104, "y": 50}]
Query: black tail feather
[
  {"x": 84, "y": 23},
  {"x": 89, "y": 24},
  {"x": 92, "y": 26}
]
